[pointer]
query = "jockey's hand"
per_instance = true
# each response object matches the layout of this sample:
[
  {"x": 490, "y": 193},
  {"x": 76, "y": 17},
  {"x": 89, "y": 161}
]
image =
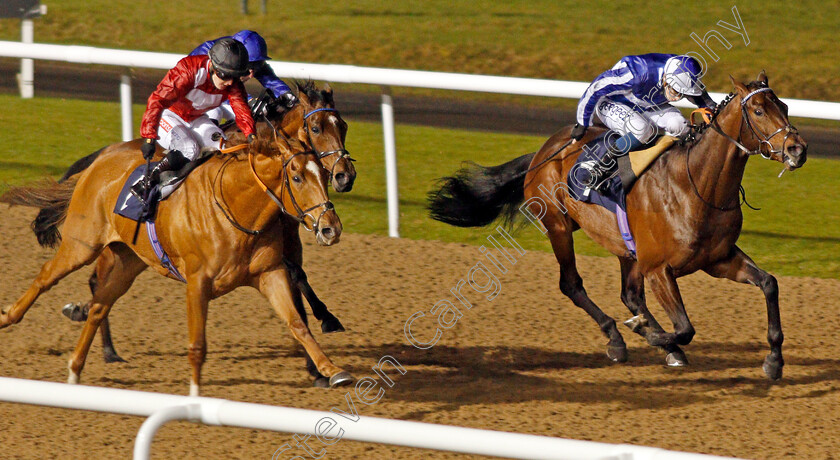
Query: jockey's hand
[
  {"x": 251, "y": 138},
  {"x": 577, "y": 132},
  {"x": 148, "y": 148},
  {"x": 288, "y": 100}
]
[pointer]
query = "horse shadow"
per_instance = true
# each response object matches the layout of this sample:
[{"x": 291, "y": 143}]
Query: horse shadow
[{"x": 452, "y": 377}]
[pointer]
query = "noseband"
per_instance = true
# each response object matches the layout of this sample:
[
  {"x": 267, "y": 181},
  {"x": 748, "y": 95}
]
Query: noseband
[{"x": 342, "y": 153}]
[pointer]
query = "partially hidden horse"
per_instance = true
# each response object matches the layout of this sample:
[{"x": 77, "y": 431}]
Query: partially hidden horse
[
  {"x": 684, "y": 213},
  {"x": 315, "y": 121},
  {"x": 199, "y": 227}
]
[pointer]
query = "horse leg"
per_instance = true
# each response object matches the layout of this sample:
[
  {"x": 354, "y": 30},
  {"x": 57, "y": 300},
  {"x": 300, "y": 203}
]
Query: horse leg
[
  {"x": 739, "y": 267},
  {"x": 79, "y": 312},
  {"x": 71, "y": 255},
  {"x": 329, "y": 323},
  {"x": 644, "y": 324},
  {"x": 276, "y": 286},
  {"x": 320, "y": 380},
  {"x": 109, "y": 288},
  {"x": 664, "y": 286},
  {"x": 198, "y": 297},
  {"x": 571, "y": 285}
]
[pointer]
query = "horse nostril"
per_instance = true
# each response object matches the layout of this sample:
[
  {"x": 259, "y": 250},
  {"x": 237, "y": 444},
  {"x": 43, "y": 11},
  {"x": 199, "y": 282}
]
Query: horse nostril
[
  {"x": 327, "y": 232},
  {"x": 341, "y": 177}
]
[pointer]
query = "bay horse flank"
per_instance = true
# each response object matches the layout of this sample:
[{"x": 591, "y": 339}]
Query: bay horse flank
[
  {"x": 314, "y": 121},
  {"x": 683, "y": 212},
  {"x": 198, "y": 228}
]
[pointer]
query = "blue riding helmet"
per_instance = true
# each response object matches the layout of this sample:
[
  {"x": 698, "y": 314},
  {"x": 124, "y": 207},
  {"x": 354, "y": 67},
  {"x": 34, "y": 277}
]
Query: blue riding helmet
[{"x": 254, "y": 43}]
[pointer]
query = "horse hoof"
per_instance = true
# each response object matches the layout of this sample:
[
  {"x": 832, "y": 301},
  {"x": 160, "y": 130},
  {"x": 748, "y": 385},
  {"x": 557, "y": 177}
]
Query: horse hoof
[
  {"x": 331, "y": 325},
  {"x": 636, "y": 323},
  {"x": 74, "y": 311},
  {"x": 772, "y": 368},
  {"x": 341, "y": 379},
  {"x": 676, "y": 359},
  {"x": 321, "y": 382},
  {"x": 113, "y": 358},
  {"x": 617, "y": 354}
]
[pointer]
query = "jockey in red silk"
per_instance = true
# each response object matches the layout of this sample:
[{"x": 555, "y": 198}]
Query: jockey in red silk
[
  {"x": 176, "y": 116},
  {"x": 258, "y": 68},
  {"x": 633, "y": 100}
]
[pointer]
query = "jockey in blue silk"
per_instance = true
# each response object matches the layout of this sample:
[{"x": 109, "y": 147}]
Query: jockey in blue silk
[
  {"x": 633, "y": 100},
  {"x": 259, "y": 69}
]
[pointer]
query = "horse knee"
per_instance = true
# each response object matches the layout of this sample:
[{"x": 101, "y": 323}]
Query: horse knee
[
  {"x": 684, "y": 335},
  {"x": 570, "y": 286}
]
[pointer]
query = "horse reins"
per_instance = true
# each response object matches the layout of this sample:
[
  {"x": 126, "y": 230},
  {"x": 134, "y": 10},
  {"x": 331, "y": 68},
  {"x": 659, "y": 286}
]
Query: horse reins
[
  {"x": 787, "y": 128},
  {"x": 301, "y": 213}
]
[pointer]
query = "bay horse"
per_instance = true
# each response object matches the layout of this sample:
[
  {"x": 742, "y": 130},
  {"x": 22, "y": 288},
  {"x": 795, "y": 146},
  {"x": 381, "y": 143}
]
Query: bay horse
[
  {"x": 199, "y": 227},
  {"x": 684, "y": 213},
  {"x": 315, "y": 121}
]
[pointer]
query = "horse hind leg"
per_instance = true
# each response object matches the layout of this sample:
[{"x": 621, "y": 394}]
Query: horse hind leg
[
  {"x": 643, "y": 323},
  {"x": 71, "y": 255},
  {"x": 320, "y": 380},
  {"x": 571, "y": 285}
]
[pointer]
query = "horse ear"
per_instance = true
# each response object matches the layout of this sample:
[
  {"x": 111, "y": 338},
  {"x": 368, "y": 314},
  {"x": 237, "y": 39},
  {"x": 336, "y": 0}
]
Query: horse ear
[
  {"x": 327, "y": 92},
  {"x": 742, "y": 90},
  {"x": 762, "y": 78},
  {"x": 302, "y": 97}
]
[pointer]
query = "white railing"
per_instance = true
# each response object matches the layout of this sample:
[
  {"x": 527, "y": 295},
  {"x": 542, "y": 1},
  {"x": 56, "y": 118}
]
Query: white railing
[
  {"x": 161, "y": 408},
  {"x": 353, "y": 74}
]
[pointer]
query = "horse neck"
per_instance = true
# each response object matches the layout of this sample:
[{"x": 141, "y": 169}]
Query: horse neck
[
  {"x": 245, "y": 201},
  {"x": 715, "y": 164},
  {"x": 292, "y": 122}
]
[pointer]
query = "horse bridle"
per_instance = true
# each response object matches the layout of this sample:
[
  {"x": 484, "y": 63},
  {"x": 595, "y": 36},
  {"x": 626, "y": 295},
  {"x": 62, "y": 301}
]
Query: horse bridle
[
  {"x": 301, "y": 215},
  {"x": 342, "y": 153},
  {"x": 762, "y": 138}
]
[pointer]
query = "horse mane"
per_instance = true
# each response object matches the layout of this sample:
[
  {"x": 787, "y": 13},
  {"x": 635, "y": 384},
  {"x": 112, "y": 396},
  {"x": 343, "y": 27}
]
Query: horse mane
[
  {"x": 697, "y": 131},
  {"x": 314, "y": 94}
]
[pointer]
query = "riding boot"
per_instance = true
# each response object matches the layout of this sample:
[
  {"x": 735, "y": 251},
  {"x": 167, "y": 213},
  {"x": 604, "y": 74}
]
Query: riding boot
[
  {"x": 172, "y": 162},
  {"x": 595, "y": 174}
]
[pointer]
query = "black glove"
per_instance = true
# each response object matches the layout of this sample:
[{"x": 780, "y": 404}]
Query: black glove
[
  {"x": 288, "y": 99},
  {"x": 148, "y": 148},
  {"x": 578, "y": 131},
  {"x": 251, "y": 138}
]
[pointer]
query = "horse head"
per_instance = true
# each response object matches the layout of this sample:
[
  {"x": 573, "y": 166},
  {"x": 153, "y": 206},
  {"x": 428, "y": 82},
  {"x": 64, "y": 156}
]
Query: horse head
[
  {"x": 325, "y": 130},
  {"x": 765, "y": 127},
  {"x": 298, "y": 185}
]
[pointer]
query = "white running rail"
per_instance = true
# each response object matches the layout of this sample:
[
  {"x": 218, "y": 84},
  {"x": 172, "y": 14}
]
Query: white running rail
[{"x": 161, "y": 408}]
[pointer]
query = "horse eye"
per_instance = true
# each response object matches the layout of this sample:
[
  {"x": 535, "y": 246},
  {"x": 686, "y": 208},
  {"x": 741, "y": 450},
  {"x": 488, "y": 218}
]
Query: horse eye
[
  {"x": 297, "y": 179},
  {"x": 316, "y": 130},
  {"x": 758, "y": 112}
]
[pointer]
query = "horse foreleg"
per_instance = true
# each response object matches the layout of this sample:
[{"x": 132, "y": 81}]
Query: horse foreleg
[
  {"x": 108, "y": 289},
  {"x": 69, "y": 257},
  {"x": 571, "y": 284},
  {"x": 739, "y": 267},
  {"x": 276, "y": 287},
  {"x": 329, "y": 323},
  {"x": 198, "y": 297},
  {"x": 644, "y": 324},
  {"x": 664, "y": 286}
]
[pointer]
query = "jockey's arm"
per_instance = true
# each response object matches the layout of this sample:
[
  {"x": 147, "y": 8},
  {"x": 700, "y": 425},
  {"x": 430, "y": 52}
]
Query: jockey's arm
[
  {"x": 703, "y": 100},
  {"x": 266, "y": 76},
  {"x": 613, "y": 81},
  {"x": 175, "y": 85},
  {"x": 238, "y": 102}
]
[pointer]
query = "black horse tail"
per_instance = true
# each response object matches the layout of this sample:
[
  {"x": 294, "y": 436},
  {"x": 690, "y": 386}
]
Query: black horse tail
[
  {"x": 53, "y": 198},
  {"x": 476, "y": 195},
  {"x": 52, "y": 213}
]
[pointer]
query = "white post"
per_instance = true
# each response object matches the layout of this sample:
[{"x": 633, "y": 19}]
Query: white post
[
  {"x": 390, "y": 163},
  {"x": 27, "y": 67},
  {"x": 143, "y": 441},
  {"x": 125, "y": 107}
]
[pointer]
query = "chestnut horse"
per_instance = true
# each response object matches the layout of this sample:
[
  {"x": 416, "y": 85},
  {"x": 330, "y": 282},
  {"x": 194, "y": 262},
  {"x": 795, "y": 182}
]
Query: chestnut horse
[
  {"x": 199, "y": 228},
  {"x": 684, "y": 214},
  {"x": 314, "y": 121}
]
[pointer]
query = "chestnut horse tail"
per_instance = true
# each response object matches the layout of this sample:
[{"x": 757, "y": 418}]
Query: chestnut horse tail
[
  {"x": 53, "y": 198},
  {"x": 476, "y": 195}
]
